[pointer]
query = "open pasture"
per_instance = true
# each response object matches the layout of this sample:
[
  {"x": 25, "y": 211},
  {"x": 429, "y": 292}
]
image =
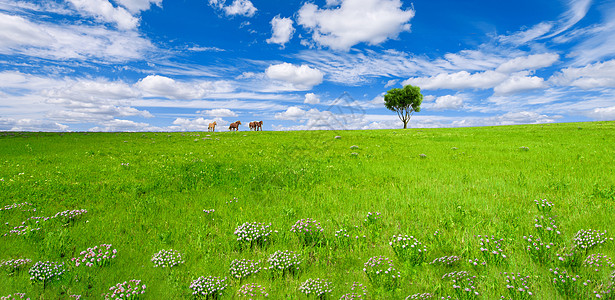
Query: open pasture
[{"x": 288, "y": 213}]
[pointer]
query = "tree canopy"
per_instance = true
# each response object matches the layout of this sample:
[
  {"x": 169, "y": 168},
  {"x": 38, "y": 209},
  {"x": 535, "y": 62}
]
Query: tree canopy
[{"x": 404, "y": 101}]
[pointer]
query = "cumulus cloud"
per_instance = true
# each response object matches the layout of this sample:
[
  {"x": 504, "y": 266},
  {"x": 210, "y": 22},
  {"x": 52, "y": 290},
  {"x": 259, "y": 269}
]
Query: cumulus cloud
[
  {"x": 19, "y": 35},
  {"x": 11, "y": 124},
  {"x": 104, "y": 11},
  {"x": 282, "y": 29},
  {"x": 136, "y": 6},
  {"x": 237, "y": 7},
  {"x": 530, "y": 62},
  {"x": 597, "y": 75},
  {"x": 448, "y": 102},
  {"x": 219, "y": 112},
  {"x": 602, "y": 113},
  {"x": 519, "y": 83},
  {"x": 459, "y": 80},
  {"x": 293, "y": 113},
  {"x": 300, "y": 77},
  {"x": 311, "y": 98},
  {"x": 161, "y": 86},
  {"x": 355, "y": 21}
]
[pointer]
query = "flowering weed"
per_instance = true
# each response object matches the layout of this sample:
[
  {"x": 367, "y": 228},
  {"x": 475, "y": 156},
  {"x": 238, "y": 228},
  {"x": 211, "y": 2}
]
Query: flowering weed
[
  {"x": 566, "y": 284},
  {"x": 253, "y": 234},
  {"x": 127, "y": 290},
  {"x": 517, "y": 286},
  {"x": 538, "y": 250},
  {"x": 252, "y": 290},
  {"x": 242, "y": 268},
  {"x": 308, "y": 231},
  {"x": 97, "y": 256},
  {"x": 316, "y": 287},
  {"x": 45, "y": 271},
  {"x": 209, "y": 287},
  {"x": 463, "y": 284},
  {"x": 491, "y": 249},
  {"x": 381, "y": 272},
  {"x": 409, "y": 249},
  {"x": 14, "y": 265},
  {"x": 448, "y": 261},
  {"x": 167, "y": 258},
  {"x": 284, "y": 262},
  {"x": 355, "y": 293}
]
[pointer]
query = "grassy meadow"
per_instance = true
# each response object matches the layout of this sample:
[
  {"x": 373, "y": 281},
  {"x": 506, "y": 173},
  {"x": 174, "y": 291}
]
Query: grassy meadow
[{"x": 145, "y": 192}]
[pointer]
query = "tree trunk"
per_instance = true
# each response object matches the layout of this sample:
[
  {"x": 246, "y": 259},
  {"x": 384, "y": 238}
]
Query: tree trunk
[{"x": 405, "y": 124}]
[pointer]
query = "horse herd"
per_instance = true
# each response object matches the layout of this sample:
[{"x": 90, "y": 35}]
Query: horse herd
[{"x": 256, "y": 125}]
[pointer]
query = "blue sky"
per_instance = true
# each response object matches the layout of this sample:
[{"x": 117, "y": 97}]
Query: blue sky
[{"x": 161, "y": 65}]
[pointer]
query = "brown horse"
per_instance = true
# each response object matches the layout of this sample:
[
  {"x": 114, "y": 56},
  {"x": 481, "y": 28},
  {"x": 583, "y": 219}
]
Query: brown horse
[
  {"x": 252, "y": 125},
  {"x": 212, "y": 126},
  {"x": 258, "y": 125},
  {"x": 234, "y": 126}
]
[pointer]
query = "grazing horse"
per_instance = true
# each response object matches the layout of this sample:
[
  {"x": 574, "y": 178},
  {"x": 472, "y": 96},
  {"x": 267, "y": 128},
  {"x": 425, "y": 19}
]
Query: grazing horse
[
  {"x": 252, "y": 125},
  {"x": 212, "y": 126},
  {"x": 258, "y": 125},
  {"x": 234, "y": 126}
]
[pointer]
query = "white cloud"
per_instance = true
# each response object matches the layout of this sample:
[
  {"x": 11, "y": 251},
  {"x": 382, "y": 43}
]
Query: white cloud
[
  {"x": 161, "y": 86},
  {"x": 43, "y": 40},
  {"x": 198, "y": 124},
  {"x": 10, "y": 124},
  {"x": 238, "y": 7},
  {"x": 511, "y": 118},
  {"x": 458, "y": 81},
  {"x": 603, "y": 113},
  {"x": 124, "y": 125},
  {"x": 104, "y": 11},
  {"x": 311, "y": 98},
  {"x": 219, "y": 112},
  {"x": 448, "y": 102},
  {"x": 598, "y": 75},
  {"x": 355, "y": 21},
  {"x": 519, "y": 83},
  {"x": 530, "y": 62},
  {"x": 282, "y": 29},
  {"x": 302, "y": 77},
  {"x": 292, "y": 113},
  {"x": 136, "y": 6}
]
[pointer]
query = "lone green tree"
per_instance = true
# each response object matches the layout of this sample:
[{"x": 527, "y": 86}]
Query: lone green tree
[{"x": 404, "y": 101}]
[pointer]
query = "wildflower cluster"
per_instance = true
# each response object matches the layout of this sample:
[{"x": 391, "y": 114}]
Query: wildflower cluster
[
  {"x": 597, "y": 261},
  {"x": 252, "y": 290},
  {"x": 517, "y": 286},
  {"x": 14, "y": 296},
  {"x": 210, "y": 286},
  {"x": 463, "y": 284},
  {"x": 342, "y": 238},
  {"x": 45, "y": 271},
  {"x": 587, "y": 239},
  {"x": 543, "y": 205},
  {"x": 232, "y": 200},
  {"x": 408, "y": 248},
  {"x": 308, "y": 231},
  {"x": 354, "y": 147},
  {"x": 242, "y": 268},
  {"x": 127, "y": 290},
  {"x": 317, "y": 287},
  {"x": 354, "y": 292},
  {"x": 253, "y": 233},
  {"x": 570, "y": 257},
  {"x": 491, "y": 248},
  {"x": 475, "y": 262},
  {"x": 284, "y": 261},
  {"x": 372, "y": 218},
  {"x": 22, "y": 230},
  {"x": 381, "y": 272},
  {"x": 566, "y": 284},
  {"x": 537, "y": 249},
  {"x": 445, "y": 260},
  {"x": 69, "y": 215},
  {"x": 96, "y": 256},
  {"x": 14, "y": 265},
  {"x": 547, "y": 228},
  {"x": 420, "y": 296},
  {"x": 17, "y": 205},
  {"x": 167, "y": 258}
]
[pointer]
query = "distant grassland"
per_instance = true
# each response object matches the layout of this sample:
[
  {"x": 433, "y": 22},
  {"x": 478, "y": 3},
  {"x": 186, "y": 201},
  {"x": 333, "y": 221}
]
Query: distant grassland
[{"x": 145, "y": 192}]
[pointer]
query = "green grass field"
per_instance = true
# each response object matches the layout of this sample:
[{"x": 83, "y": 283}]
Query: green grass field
[{"x": 145, "y": 192}]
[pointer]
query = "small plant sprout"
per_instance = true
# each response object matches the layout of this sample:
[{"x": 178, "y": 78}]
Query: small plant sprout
[
  {"x": 316, "y": 287},
  {"x": 381, "y": 272},
  {"x": 357, "y": 291},
  {"x": 543, "y": 206},
  {"x": 96, "y": 256},
  {"x": 127, "y": 290},
  {"x": 253, "y": 234},
  {"x": 209, "y": 287},
  {"x": 491, "y": 249},
  {"x": 242, "y": 268},
  {"x": 517, "y": 286},
  {"x": 46, "y": 271},
  {"x": 284, "y": 262},
  {"x": 252, "y": 291},
  {"x": 409, "y": 249},
  {"x": 463, "y": 284},
  {"x": 308, "y": 231},
  {"x": 167, "y": 258},
  {"x": 452, "y": 260},
  {"x": 587, "y": 239}
]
